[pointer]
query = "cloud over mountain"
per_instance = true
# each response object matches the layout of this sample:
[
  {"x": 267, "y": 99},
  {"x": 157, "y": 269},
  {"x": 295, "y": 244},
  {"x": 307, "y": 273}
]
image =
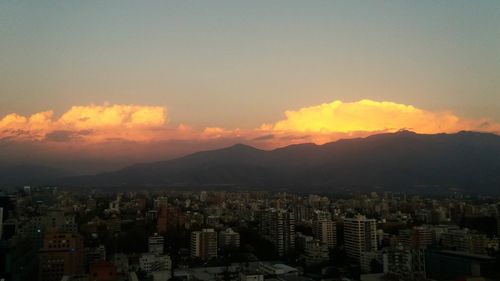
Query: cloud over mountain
[
  {"x": 369, "y": 116},
  {"x": 129, "y": 133}
]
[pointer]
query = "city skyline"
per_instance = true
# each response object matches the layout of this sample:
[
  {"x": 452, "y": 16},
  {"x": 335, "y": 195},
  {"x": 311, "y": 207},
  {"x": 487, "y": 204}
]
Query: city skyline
[{"x": 231, "y": 140}]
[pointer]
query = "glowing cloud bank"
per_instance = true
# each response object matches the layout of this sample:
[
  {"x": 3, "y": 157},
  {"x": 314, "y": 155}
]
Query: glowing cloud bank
[
  {"x": 125, "y": 116},
  {"x": 93, "y": 138},
  {"x": 91, "y": 123},
  {"x": 372, "y": 116},
  {"x": 319, "y": 124}
]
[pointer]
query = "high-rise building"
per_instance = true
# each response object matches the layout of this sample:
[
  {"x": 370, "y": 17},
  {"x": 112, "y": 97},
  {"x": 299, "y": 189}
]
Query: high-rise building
[
  {"x": 416, "y": 238},
  {"x": 156, "y": 244},
  {"x": 204, "y": 244},
  {"x": 360, "y": 235},
  {"x": 61, "y": 254},
  {"x": 229, "y": 239},
  {"x": 113, "y": 224},
  {"x": 203, "y": 196},
  {"x": 465, "y": 240},
  {"x": 162, "y": 220},
  {"x": 301, "y": 213},
  {"x": 169, "y": 218},
  {"x": 54, "y": 221},
  {"x": 114, "y": 206},
  {"x": 161, "y": 201},
  {"x": 319, "y": 215},
  {"x": 278, "y": 226},
  {"x": 176, "y": 218},
  {"x": 397, "y": 260},
  {"x": 301, "y": 241},
  {"x": 212, "y": 221},
  {"x": 325, "y": 231},
  {"x": 7, "y": 203}
]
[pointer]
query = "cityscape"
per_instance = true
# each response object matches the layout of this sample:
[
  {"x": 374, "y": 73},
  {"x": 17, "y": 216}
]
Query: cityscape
[
  {"x": 60, "y": 234},
  {"x": 249, "y": 140}
]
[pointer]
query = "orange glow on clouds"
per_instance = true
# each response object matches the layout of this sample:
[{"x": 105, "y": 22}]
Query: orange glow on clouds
[
  {"x": 321, "y": 123},
  {"x": 90, "y": 123},
  {"x": 120, "y": 116},
  {"x": 368, "y": 116}
]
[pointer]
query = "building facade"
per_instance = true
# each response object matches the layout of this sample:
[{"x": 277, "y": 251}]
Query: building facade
[
  {"x": 278, "y": 226},
  {"x": 61, "y": 254},
  {"x": 325, "y": 231},
  {"x": 204, "y": 244},
  {"x": 360, "y": 235}
]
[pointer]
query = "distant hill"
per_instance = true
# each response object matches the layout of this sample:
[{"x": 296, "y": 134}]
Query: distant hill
[
  {"x": 399, "y": 161},
  {"x": 29, "y": 174}
]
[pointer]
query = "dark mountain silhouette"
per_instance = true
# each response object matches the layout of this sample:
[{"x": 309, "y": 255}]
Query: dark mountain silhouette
[
  {"x": 400, "y": 161},
  {"x": 29, "y": 174}
]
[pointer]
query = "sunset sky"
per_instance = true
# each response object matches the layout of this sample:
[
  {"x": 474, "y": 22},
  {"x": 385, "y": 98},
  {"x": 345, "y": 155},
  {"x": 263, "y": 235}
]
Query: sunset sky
[{"x": 150, "y": 80}]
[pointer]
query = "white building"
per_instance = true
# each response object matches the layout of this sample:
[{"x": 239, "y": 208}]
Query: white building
[{"x": 151, "y": 262}]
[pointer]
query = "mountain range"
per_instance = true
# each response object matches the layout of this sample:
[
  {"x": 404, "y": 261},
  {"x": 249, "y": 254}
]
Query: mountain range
[{"x": 402, "y": 161}]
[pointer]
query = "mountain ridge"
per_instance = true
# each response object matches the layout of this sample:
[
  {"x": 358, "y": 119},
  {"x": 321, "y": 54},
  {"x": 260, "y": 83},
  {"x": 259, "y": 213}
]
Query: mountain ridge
[{"x": 393, "y": 160}]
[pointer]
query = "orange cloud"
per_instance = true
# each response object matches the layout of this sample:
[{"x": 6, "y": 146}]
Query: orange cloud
[
  {"x": 319, "y": 124},
  {"x": 95, "y": 138},
  {"x": 123, "y": 116},
  {"x": 218, "y": 132},
  {"x": 372, "y": 116},
  {"x": 131, "y": 122}
]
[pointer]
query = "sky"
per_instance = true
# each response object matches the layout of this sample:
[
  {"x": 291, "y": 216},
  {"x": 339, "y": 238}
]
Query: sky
[{"x": 172, "y": 77}]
